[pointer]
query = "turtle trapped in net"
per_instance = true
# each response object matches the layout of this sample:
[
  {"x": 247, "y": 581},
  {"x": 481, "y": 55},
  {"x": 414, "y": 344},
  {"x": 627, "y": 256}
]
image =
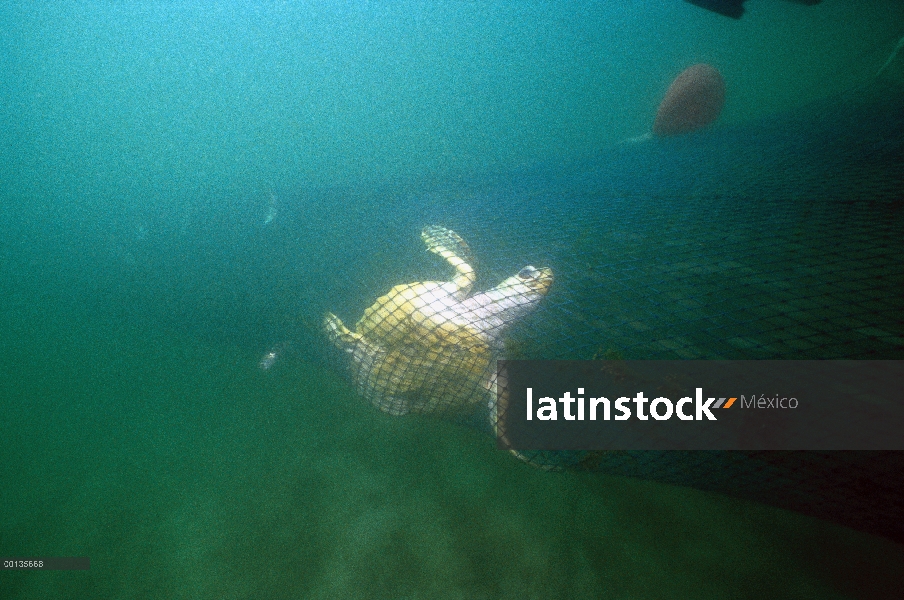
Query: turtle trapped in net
[{"x": 430, "y": 346}]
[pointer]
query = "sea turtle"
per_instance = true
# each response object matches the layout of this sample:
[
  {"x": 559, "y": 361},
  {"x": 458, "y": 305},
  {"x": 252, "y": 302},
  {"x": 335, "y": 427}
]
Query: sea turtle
[{"x": 430, "y": 346}]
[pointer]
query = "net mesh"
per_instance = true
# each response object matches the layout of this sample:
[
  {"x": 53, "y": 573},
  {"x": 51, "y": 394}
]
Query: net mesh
[{"x": 779, "y": 239}]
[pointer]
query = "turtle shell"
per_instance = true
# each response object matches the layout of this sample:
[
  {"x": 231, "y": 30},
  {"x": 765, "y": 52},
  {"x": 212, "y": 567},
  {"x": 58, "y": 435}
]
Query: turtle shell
[
  {"x": 426, "y": 352},
  {"x": 410, "y": 313}
]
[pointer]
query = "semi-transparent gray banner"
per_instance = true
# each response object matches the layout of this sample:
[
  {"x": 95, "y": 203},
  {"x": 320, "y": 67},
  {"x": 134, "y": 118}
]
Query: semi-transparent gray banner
[{"x": 701, "y": 405}]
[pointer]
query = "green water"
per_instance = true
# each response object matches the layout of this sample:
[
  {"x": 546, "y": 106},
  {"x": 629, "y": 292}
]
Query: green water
[
  {"x": 179, "y": 97},
  {"x": 141, "y": 280},
  {"x": 184, "y": 471}
]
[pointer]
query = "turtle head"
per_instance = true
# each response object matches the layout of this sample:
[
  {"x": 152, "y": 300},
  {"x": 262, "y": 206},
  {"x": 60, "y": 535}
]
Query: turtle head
[
  {"x": 537, "y": 281},
  {"x": 520, "y": 293}
]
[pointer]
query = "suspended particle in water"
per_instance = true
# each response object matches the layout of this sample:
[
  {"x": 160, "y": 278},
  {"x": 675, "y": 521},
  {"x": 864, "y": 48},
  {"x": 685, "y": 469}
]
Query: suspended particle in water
[
  {"x": 272, "y": 209},
  {"x": 269, "y": 359}
]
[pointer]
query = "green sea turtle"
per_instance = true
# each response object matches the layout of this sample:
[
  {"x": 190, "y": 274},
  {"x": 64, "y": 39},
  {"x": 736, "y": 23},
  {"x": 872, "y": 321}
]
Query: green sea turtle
[{"x": 430, "y": 345}]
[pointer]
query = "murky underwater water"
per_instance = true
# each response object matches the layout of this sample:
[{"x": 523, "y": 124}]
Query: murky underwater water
[
  {"x": 184, "y": 470},
  {"x": 185, "y": 190}
]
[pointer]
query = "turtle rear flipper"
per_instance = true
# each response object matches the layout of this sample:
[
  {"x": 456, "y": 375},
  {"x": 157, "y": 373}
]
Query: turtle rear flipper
[
  {"x": 339, "y": 334},
  {"x": 455, "y": 250}
]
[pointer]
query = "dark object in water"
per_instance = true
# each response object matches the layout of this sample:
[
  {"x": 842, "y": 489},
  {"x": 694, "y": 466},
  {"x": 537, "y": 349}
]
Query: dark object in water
[
  {"x": 735, "y": 8},
  {"x": 693, "y": 101},
  {"x": 727, "y": 8}
]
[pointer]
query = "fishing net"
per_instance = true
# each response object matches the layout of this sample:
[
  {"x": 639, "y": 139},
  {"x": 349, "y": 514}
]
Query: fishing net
[{"x": 777, "y": 239}]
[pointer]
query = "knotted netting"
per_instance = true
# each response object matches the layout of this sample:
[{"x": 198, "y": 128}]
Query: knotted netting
[
  {"x": 777, "y": 239},
  {"x": 430, "y": 346}
]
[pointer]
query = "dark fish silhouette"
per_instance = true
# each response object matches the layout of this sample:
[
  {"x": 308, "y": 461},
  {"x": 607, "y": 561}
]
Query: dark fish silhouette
[{"x": 735, "y": 8}]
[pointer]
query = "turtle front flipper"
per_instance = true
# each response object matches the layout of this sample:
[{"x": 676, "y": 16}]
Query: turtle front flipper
[
  {"x": 499, "y": 405},
  {"x": 454, "y": 249}
]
